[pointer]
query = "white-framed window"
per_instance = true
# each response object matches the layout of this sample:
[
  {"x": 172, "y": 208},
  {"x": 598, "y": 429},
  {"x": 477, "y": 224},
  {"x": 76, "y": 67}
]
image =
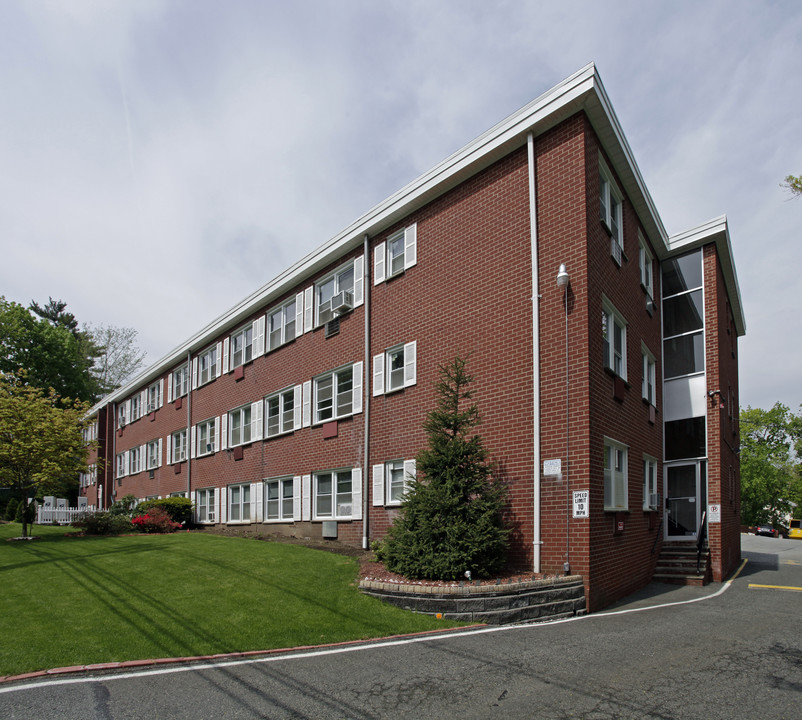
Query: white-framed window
[
  {"x": 651, "y": 499},
  {"x": 135, "y": 410},
  {"x": 648, "y": 385},
  {"x": 334, "y": 295},
  {"x": 280, "y": 497},
  {"x": 395, "y": 255},
  {"x": 207, "y": 365},
  {"x": 206, "y": 437},
  {"x": 333, "y": 493},
  {"x": 280, "y": 410},
  {"x": 683, "y": 315},
  {"x": 281, "y": 324},
  {"x": 204, "y": 502},
  {"x": 155, "y": 396},
  {"x": 615, "y": 475},
  {"x": 395, "y": 369},
  {"x": 646, "y": 264},
  {"x": 89, "y": 433},
  {"x": 178, "y": 442},
  {"x": 614, "y": 336},
  {"x": 239, "y": 426},
  {"x": 134, "y": 460},
  {"x": 178, "y": 383},
  {"x": 338, "y": 393},
  {"x": 122, "y": 464},
  {"x": 242, "y": 346},
  {"x": 239, "y": 503},
  {"x": 122, "y": 414},
  {"x": 154, "y": 450},
  {"x": 610, "y": 210}
]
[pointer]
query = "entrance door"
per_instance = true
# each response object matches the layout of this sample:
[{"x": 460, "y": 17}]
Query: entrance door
[{"x": 682, "y": 501}]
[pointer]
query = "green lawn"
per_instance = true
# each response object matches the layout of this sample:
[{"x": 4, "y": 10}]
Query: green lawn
[{"x": 74, "y": 601}]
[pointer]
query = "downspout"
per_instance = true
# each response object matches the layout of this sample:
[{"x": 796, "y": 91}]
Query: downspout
[
  {"x": 189, "y": 424},
  {"x": 366, "y": 401},
  {"x": 113, "y": 493},
  {"x": 530, "y": 143}
]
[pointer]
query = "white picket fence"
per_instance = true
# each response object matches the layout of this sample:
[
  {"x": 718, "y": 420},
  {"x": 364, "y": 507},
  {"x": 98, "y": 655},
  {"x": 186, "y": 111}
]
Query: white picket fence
[{"x": 55, "y": 511}]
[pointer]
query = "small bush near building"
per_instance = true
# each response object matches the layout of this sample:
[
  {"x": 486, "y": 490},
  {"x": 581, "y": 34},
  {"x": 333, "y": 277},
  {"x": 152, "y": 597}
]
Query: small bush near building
[
  {"x": 155, "y": 521},
  {"x": 103, "y": 523},
  {"x": 11, "y": 509},
  {"x": 178, "y": 508}
]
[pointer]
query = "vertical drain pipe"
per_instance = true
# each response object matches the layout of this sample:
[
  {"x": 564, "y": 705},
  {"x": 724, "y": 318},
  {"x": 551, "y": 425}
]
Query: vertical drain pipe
[
  {"x": 530, "y": 143},
  {"x": 366, "y": 400},
  {"x": 189, "y": 424}
]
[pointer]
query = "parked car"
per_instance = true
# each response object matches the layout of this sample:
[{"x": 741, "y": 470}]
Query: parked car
[
  {"x": 796, "y": 529},
  {"x": 767, "y": 530}
]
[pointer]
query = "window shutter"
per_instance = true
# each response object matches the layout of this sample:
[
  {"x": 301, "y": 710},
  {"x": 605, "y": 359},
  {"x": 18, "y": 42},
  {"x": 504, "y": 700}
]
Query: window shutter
[
  {"x": 378, "y": 374},
  {"x": 128, "y": 411},
  {"x": 359, "y": 281},
  {"x": 378, "y": 485},
  {"x": 194, "y": 373},
  {"x": 169, "y": 449},
  {"x": 257, "y": 419},
  {"x": 309, "y": 308},
  {"x": 216, "y": 505},
  {"x": 126, "y": 462},
  {"x": 297, "y": 403},
  {"x": 224, "y": 431},
  {"x": 197, "y": 506},
  {"x": 256, "y": 502},
  {"x": 378, "y": 263},
  {"x": 259, "y": 337},
  {"x": 192, "y": 442},
  {"x": 410, "y": 363},
  {"x": 161, "y": 392},
  {"x": 226, "y": 344},
  {"x": 299, "y": 315},
  {"x": 223, "y": 505},
  {"x": 143, "y": 403},
  {"x": 356, "y": 494},
  {"x": 411, "y": 246},
  {"x": 296, "y": 498},
  {"x": 357, "y": 391},
  {"x": 217, "y": 433},
  {"x": 218, "y": 360},
  {"x": 307, "y": 498},
  {"x": 307, "y": 403},
  {"x": 160, "y": 452},
  {"x": 410, "y": 472},
  {"x": 170, "y": 388}
]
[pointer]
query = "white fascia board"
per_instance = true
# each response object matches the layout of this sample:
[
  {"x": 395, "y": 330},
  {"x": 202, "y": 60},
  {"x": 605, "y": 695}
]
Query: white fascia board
[{"x": 715, "y": 231}]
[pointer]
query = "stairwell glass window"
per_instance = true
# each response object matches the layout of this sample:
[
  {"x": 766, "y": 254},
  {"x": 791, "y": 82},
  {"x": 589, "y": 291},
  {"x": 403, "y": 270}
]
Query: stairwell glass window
[
  {"x": 206, "y": 437},
  {"x": 279, "y": 499},
  {"x": 204, "y": 502},
  {"x": 239, "y": 503},
  {"x": 650, "y": 496},
  {"x": 610, "y": 211},
  {"x": 338, "y": 286},
  {"x": 334, "y": 395},
  {"x": 614, "y": 340},
  {"x": 239, "y": 426},
  {"x": 281, "y": 325},
  {"x": 333, "y": 494},
  {"x": 280, "y": 412},
  {"x": 207, "y": 366},
  {"x": 615, "y": 476},
  {"x": 179, "y": 446},
  {"x": 242, "y": 346},
  {"x": 683, "y": 316}
]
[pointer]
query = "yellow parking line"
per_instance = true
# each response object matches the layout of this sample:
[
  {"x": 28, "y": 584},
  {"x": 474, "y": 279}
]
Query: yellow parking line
[{"x": 775, "y": 587}]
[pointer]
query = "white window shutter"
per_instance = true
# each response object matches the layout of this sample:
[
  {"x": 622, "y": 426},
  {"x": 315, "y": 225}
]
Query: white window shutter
[
  {"x": 378, "y": 374},
  {"x": 169, "y": 449},
  {"x": 224, "y": 431},
  {"x": 307, "y": 498},
  {"x": 194, "y": 373},
  {"x": 126, "y": 462},
  {"x": 356, "y": 494},
  {"x": 297, "y": 407},
  {"x": 379, "y": 274},
  {"x": 219, "y": 360},
  {"x": 217, "y": 433},
  {"x": 259, "y": 336},
  {"x": 161, "y": 392},
  {"x": 192, "y": 442},
  {"x": 410, "y": 472},
  {"x": 359, "y": 281},
  {"x": 216, "y": 504},
  {"x": 143, "y": 402},
  {"x": 378, "y": 485},
  {"x": 197, "y": 506},
  {"x": 296, "y": 498},
  {"x": 256, "y": 503},
  {"x": 299, "y": 315},
  {"x": 307, "y": 403},
  {"x": 143, "y": 457},
  {"x": 410, "y": 363},
  {"x": 411, "y": 246},
  {"x": 309, "y": 308},
  {"x": 257, "y": 419},
  {"x": 160, "y": 452},
  {"x": 170, "y": 388},
  {"x": 223, "y": 505},
  {"x": 357, "y": 388},
  {"x": 226, "y": 344}
]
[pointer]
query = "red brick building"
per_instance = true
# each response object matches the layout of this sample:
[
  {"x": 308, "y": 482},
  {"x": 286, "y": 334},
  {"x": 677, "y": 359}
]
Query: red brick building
[{"x": 609, "y": 399}]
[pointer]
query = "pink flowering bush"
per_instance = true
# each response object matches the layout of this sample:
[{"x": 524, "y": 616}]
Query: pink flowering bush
[{"x": 156, "y": 520}]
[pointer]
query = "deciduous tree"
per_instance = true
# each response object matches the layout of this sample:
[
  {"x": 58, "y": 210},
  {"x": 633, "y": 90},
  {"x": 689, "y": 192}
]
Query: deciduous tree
[
  {"x": 119, "y": 356},
  {"x": 793, "y": 183}
]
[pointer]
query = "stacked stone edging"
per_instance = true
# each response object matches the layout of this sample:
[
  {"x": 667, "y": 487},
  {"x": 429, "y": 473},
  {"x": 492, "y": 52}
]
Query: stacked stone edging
[{"x": 491, "y": 604}]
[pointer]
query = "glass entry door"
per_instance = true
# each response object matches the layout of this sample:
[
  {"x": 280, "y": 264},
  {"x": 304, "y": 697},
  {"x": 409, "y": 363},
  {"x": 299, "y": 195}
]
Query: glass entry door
[{"x": 682, "y": 501}]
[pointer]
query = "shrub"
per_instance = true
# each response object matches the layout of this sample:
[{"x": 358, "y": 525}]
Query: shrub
[
  {"x": 155, "y": 521},
  {"x": 124, "y": 506},
  {"x": 103, "y": 523},
  {"x": 179, "y": 509},
  {"x": 29, "y": 511},
  {"x": 11, "y": 509}
]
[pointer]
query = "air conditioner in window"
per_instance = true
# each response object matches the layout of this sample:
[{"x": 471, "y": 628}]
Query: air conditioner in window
[
  {"x": 342, "y": 302},
  {"x": 654, "y": 500},
  {"x": 211, "y": 517},
  {"x": 121, "y": 422},
  {"x": 615, "y": 250},
  {"x": 344, "y": 510}
]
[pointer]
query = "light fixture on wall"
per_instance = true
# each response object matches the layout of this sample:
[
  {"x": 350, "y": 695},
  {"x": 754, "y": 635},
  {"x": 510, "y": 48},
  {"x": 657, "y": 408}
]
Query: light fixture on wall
[{"x": 563, "y": 278}]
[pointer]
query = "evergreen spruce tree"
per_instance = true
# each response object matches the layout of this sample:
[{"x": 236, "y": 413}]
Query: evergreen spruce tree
[{"x": 451, "y": 520}]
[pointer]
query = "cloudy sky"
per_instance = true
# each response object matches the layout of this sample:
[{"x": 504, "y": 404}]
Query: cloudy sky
[{"x": 160, "y": 160}]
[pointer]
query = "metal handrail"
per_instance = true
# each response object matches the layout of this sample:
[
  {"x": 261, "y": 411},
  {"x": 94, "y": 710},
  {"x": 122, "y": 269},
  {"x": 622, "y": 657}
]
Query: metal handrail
[
  {"x": 700, "y": 540},
  {"x": 658, "y": 536}
]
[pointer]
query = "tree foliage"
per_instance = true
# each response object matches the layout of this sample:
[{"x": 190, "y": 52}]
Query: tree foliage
[
  {"x": 771, "y": 443},
  {"x": 451, "y": 520},
  {"x": 793, "y": 183},
  {"x": 41, "y": 445},
  {"x": 119, "y": 357}
]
